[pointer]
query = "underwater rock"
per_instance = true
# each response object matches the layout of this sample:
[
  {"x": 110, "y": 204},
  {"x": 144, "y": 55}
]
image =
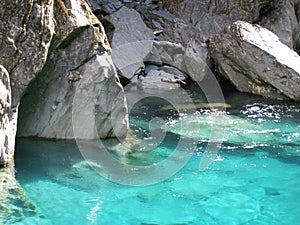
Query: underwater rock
[
  {"x": 271, "y": 191},
  {"x": 14, "y": 204},
  {"x": 254, "y": 60}
]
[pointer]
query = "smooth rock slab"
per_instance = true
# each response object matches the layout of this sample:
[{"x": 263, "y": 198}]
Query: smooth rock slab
[
  {"x": 131, "y": 40},
  {"x": 254, "y": 60}
]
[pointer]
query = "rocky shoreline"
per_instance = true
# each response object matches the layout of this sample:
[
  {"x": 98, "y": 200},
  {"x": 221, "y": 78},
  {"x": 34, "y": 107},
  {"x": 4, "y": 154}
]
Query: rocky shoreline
[
  {"x": 56, "y": 60},
  {"x": 63, "y": 76}
]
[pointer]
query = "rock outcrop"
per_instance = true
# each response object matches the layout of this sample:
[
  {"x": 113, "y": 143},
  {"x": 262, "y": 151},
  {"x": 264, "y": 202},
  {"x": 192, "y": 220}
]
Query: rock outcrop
[
  {"x": 79, "y": 63},
  {"x": 8, "y": 119},
  {"x": 255, "y": 61},
  {"x": 27, "y": 28},
  {"x": 56, "y": 50},
  {"x": 201, "y": 21},
  {"x": 187, "y": 26}
]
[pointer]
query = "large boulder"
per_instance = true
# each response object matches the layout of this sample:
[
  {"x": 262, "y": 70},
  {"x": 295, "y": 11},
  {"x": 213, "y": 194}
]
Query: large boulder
[
  {"x": 167, "y": 53},
  {"x": 55, "y": 49},
  {"x": 254, "y": 60},
  {"x": 131, "y": 40},
  {"x": 77, "y": 92},
  {"x": 191, "y": 60}
]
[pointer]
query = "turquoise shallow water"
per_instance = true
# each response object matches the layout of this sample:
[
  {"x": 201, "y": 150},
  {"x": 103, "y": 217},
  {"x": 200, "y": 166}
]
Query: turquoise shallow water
[{"x": 255, "y": 178}]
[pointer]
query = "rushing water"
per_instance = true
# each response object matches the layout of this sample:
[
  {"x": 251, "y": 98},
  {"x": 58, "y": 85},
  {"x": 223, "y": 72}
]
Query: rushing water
[{"x": 255, "y": 178}]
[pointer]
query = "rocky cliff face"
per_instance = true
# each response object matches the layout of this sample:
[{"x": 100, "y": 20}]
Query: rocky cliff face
[
  {"x": 8, "y": 119},
  {"x": 252, "y": 62},
  {"x": 54, "y": 50}
]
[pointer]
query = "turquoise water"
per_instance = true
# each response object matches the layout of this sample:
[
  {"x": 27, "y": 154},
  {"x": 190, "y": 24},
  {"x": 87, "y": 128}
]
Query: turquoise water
[{"x": 255, "y": 178}]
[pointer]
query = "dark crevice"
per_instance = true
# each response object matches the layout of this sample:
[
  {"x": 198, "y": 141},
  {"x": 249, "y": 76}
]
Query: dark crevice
[
  {"x": 69, "y": 39},
  {"x": 109, "y": 29},
  {"x": 265, "y": 11}
]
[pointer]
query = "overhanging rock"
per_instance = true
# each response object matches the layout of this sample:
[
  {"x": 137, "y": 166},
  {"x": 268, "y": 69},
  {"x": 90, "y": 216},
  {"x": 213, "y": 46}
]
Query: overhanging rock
[{"x": 254, "y": 60}]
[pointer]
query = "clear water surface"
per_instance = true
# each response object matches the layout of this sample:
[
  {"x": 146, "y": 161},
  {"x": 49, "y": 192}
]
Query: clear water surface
[{"x": 255, "y": 178}]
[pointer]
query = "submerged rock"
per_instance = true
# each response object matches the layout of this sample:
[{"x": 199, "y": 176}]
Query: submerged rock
[
  {"x": 15, "y": 206},
  {"x": 255, "y": 61}
]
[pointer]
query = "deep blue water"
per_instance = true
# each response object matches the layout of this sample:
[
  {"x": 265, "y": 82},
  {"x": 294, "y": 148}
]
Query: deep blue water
[{"x": 254, "y": 178}]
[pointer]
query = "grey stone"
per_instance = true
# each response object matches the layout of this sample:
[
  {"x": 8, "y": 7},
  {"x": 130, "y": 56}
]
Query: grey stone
[
  {"x": 94, "y": 4},
  {"x": 148, "y": 2},
  {"x": 195, "y": 59},
  {"x": 210, "y": 17},
  {"x": 191, "y": 60},
  {"x": 157, "y": 25},
  {"x": 76, "y": 95},
  {"x": 255, "y": 61},
  {"x": 109, "y": 8},
  {"x": 150, "y": 67},
  {"x": 177, "y": 74},
  {"x": 131, "y": 40},
  {"x": 167, "y": 53},
  {"x": 153, "y": 81},
  {"x": 117, "y": 4},
  {"x": 8, "y": 120},
  {"x": 164, "y": 14},
  {"x": 280, "y": 18},
  {"x": 23, "y": 50},
  {"x": 79, "y": 52}
]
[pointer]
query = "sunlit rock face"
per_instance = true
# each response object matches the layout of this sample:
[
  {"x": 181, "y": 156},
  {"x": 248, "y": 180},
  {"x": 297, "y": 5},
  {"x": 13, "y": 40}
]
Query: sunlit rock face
[
  {"x": 8, "y": 119},
  {"x": 79, "y": 64},
  {"x": 62, "y": 45},
  {"x": 255, "y": 61}
]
